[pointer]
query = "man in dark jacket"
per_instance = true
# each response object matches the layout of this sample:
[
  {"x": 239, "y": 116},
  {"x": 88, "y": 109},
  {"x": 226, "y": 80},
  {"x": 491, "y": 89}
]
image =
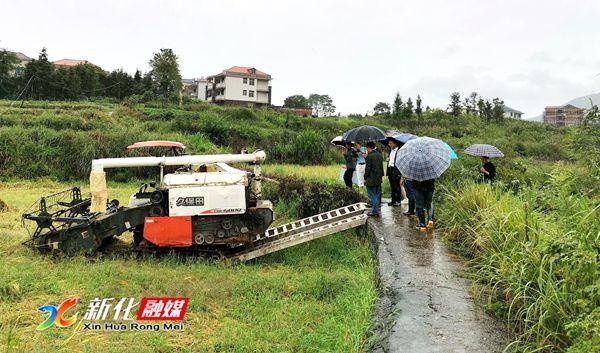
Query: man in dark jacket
[{"x": 373, "y": 177}]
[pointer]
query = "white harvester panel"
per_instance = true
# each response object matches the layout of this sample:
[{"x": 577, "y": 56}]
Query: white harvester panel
[{"x": 207, "y": 200}]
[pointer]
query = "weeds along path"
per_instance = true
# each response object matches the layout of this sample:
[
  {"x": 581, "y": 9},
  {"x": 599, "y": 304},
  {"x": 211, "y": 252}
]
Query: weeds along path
[{"x": 425, "y": 304}]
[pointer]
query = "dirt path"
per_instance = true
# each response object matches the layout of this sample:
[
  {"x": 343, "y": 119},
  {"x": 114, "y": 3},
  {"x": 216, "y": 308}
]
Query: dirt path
[{"x": 425, "y": 306}]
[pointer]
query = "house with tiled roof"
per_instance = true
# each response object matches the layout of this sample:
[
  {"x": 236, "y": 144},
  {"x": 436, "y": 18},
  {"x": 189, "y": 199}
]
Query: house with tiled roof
[
  {"x": 23, "y": 61},
  {"x": 70, "y": 62},
  {"x": 512, "y": 113},
  {"x": 238, "y": 85}
]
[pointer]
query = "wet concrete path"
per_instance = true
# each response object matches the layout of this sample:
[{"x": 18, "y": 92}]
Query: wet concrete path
[{"x": 425, "y": 305}]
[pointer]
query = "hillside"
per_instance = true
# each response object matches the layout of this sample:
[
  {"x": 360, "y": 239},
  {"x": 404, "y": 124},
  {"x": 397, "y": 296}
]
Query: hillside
[{"x": 60, "y": 139}]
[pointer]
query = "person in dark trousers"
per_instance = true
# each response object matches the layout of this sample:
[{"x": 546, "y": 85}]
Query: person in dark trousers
[
  {"x": 350, "y": 158},
  {"x": 373, "y": 177},
  {"x": 393, "y": 174},
  {"x": 410, "y": 195},
  {"x": 423, "y": 191},
  {"x": 488, "y": 170}
]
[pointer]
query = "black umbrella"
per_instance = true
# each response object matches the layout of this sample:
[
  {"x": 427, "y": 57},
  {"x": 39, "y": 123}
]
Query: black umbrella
[{"x": 363, "y": 133}]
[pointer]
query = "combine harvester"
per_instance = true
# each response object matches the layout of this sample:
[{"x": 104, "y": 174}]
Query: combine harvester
[{"x": 218, "y": 213}]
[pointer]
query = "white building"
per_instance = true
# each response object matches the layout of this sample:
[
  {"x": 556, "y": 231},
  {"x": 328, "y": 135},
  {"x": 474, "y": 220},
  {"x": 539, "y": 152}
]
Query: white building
[
  {"x": 238, "y": 85},
  {"x": 512, "y": 113}
]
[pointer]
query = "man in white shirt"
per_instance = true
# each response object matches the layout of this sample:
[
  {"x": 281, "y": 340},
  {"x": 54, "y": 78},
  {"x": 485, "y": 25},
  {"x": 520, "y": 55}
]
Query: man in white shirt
[{"x": 393, "y": 174}]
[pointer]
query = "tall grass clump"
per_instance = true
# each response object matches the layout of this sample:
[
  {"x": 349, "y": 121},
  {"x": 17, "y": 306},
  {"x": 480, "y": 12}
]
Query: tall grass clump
[{"x": 534, "y": 257}]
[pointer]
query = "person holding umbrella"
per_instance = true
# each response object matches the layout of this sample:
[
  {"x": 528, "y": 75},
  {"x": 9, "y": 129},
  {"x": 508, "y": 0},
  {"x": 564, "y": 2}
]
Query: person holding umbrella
[
  {"x": 488, "y": 170},
  {"x": 350, "y": 159},
  {"x": 373, "y": 177},
  {"x": 423, "y": 160},
  {"x": 393, "y": 173}
]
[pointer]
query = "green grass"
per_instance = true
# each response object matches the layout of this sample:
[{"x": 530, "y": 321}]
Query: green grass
[
  {"x": 316, "y": 297},
  {"x": 531, "y": 241},
  {"x": 534, "y": 258}
]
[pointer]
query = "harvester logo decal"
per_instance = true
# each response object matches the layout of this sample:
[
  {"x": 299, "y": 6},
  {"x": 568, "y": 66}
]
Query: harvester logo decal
[
  {"x": 56, "y": 314},
  {"x": 190, "y": 201}
]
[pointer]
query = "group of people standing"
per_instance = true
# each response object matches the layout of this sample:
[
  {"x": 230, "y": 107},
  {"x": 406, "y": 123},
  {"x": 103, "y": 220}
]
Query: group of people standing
[{"x": 418, "y": 193}]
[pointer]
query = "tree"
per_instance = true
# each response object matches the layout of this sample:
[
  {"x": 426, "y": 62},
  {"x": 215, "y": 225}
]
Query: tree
[
  {"x": 398, "y": 106},
  {"x": 89, "y": 75},
  {"x": 119, "y": 84},
  {"x": 488, "y": 110},
  {"x": 8, "y": 64},
  {"x": 498, "y": 109},
  {"x": 481, "y": 108},
  {"x": 321, "y": 104},
  {"x": 592, "y": 117},
  {"x": 138, "y": 84},
  {"x": 419, "y": 109},
  {"x": 381, "y": 108},
  {"x": 455, "y": 106},
  {"x": 408, "y": 109},
  {"x": 40, "y": 73},
  {"x": 471, "y": 103},
  {"x": 296, "y": 101},
  {"x": 67, "y": 84},
  {"x": 166, "y": 78}
]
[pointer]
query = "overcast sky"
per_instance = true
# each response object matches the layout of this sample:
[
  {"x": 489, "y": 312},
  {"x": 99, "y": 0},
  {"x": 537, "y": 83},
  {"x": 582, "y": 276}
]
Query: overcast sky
[{"x": 528, "y": 53}]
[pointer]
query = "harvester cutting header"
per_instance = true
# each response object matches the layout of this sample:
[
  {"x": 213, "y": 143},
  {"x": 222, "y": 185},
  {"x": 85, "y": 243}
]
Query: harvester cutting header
[{"x": 206, "y": 205}]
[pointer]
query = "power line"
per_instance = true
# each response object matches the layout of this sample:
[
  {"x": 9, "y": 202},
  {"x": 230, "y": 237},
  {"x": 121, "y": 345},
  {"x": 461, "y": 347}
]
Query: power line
[{"x": 23, "y": 91}]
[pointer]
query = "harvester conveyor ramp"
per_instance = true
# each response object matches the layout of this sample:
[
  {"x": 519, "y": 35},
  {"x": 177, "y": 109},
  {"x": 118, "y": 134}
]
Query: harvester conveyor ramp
[{"x": 305, "y": 230}]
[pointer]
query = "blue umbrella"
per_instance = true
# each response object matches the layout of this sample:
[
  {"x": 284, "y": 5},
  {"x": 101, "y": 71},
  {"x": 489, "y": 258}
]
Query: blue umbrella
[
  {"x": 453, "y": 154},
  {"x": 423, "y": 158},
  {"x": 403, "y": 137}
]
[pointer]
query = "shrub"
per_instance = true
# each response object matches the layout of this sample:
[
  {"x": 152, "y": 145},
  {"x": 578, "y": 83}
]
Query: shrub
[{"x": 312, "y": 197}]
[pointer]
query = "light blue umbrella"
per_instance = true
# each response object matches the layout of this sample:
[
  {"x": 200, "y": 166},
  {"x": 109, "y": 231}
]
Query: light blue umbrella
[
  {"x": 423, "y": 158},
  {"x": 453, "y": 154},
  {"x": 403, "y": 137}
]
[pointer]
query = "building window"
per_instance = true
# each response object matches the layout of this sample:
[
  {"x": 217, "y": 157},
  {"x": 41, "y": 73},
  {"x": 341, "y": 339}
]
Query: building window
[
  {"x": 244, "y": 93},
  {"x": 245, "y": 79},
  {"x": 250, "y": 93},
  {"x": 251, "y": 82}
]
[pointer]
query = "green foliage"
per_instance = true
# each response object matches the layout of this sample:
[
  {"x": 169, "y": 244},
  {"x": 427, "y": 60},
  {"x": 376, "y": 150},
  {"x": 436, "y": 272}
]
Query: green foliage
[
  {"x": 296, "y": 101},
  {"x": 537, "y": 266},
  {"x": 165, "y": 73},
  {"x": 321, "y": 104},
  {"x": 381, "y": 108},
  {"x": 407, "y": 112},
  {"x": 8, "y": 64},
  {"x": 312, "y": 197},
  {"x": 397, "y": 107},
  {"x": 455, "y": 105},
  {"x": 419, "y": 108}
]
